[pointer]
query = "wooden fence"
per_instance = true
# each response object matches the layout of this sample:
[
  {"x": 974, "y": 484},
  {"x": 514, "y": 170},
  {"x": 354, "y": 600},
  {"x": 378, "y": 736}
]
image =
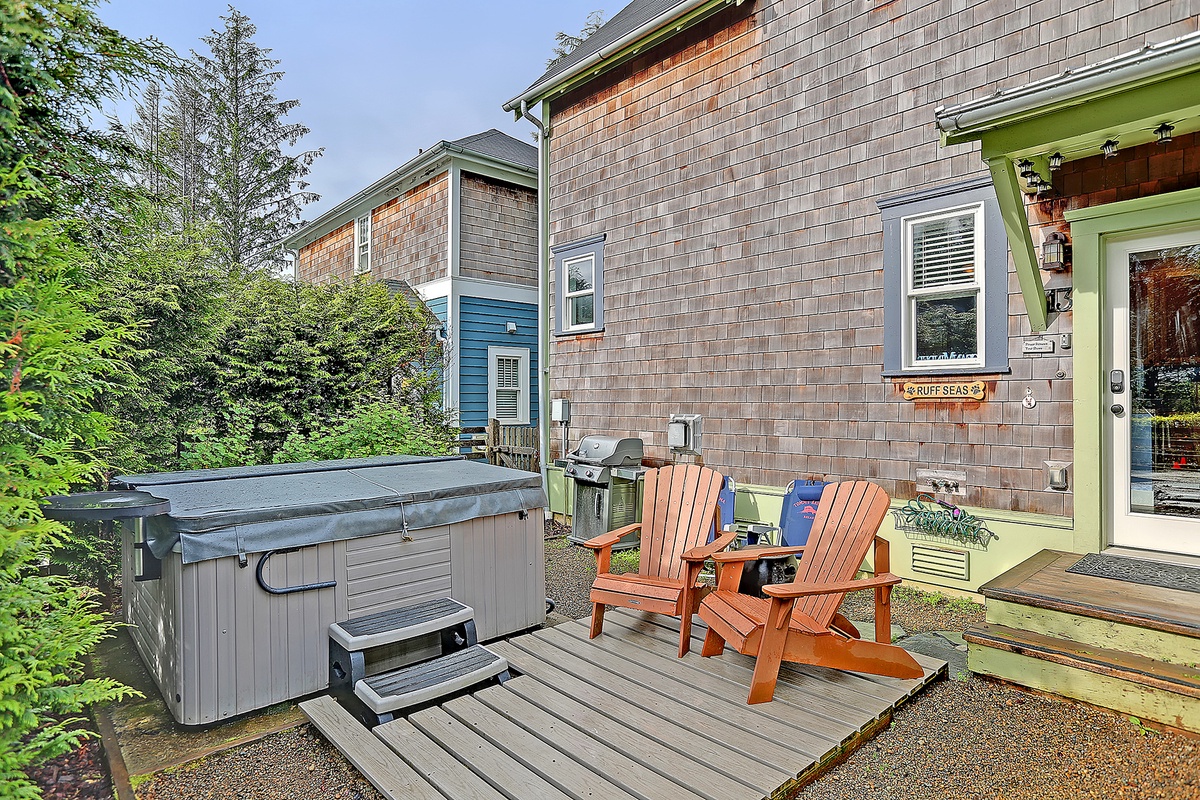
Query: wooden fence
[{"x": 514, "y": 446}]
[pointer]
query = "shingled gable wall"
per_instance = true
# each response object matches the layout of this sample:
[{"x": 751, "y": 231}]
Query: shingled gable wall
[{"x": 735, "y": 171}]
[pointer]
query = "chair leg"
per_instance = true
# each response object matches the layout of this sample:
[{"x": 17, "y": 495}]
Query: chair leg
[
  {"x": 714, "y": 644},
  {"x": 597, "y": 619},
  {"x": 685, "y": 632},
  {"x": 766, "y": 668}
]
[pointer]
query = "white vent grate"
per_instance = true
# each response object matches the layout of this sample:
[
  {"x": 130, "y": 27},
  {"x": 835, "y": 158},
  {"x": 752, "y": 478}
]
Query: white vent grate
[{"x": 941, "y": 561}]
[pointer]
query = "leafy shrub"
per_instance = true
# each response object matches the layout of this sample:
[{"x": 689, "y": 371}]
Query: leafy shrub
[{"x": 372, "y": 430}]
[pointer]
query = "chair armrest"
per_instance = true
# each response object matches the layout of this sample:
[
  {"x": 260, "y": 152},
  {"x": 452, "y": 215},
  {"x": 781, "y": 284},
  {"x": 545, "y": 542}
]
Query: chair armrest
[
  {"x": 704, "y": 551},
  {"x": 792, "y": 590},
  {"x": 754, "y": 553},
  {"x": 612, "y": 537}
]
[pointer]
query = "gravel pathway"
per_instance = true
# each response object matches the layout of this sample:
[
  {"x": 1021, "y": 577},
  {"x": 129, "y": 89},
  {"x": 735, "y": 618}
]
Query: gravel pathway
[{"x": 963, "y": 739}]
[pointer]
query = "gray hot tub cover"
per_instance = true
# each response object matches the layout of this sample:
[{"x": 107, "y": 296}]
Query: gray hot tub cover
[{"x": 229, "y": 512}]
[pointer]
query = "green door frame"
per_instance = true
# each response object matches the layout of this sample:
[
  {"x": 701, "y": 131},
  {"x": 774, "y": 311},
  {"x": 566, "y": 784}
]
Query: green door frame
[{"x": 1090, "y": 227}]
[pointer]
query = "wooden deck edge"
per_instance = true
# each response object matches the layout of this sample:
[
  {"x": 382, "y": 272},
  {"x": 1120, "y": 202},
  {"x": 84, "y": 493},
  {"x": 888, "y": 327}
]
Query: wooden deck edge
[
  {"x": 792, "y": 789},
  {"x": 1012, "y": 577},
  {"x": 394, "y": 778},
  {"x": 114, "y": 759},
  {"x": 1117, "y": 664}
]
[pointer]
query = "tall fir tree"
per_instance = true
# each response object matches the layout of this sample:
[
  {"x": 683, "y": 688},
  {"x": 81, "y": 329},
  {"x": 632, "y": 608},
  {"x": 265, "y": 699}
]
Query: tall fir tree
[{"x": 255, "y": 187}]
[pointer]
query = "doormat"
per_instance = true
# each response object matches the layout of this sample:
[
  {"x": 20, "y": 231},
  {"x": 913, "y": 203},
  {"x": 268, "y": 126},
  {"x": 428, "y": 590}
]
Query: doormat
[{"x": 1136, "y": 570}]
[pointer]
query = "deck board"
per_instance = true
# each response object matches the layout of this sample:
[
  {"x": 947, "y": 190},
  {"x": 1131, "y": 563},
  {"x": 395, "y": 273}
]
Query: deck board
[{"x": 621, "y": 717}]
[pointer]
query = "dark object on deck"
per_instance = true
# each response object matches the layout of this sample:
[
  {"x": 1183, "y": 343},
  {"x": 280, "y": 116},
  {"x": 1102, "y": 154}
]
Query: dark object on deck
[{"x": 1137, "y": 570}]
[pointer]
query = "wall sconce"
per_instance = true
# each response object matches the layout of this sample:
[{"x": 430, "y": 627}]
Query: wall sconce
[
  {"x": 1025, "y": 167},
  {"x": 1164, "y": 132},
  {"x": 1055, "y": 257},
  {"x": 1109, "y": 148},
  {"x": 1056, "y": 162}
]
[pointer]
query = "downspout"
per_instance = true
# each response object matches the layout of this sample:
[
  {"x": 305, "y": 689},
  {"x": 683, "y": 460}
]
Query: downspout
[{"x": 543, "y": 182}]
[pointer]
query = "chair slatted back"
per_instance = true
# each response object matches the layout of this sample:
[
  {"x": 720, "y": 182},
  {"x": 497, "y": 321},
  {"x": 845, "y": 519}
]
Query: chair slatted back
[
  {"x": 848, "y": 517},
  {"x": 679, "y": 505}
]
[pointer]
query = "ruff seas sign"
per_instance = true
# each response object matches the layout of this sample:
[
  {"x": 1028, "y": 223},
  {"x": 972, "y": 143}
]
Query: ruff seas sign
[{"x": 960, "y": 391}]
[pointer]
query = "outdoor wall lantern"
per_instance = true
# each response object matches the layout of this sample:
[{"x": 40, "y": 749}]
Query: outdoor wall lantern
[
  {"x": 1056, "y": 162},
  {"x": 1026, "y": 168},
  {"x": 1109, "y": 148},
  {"x": 1055, "y": 256},
  {"x": 1164, "y": 132}
]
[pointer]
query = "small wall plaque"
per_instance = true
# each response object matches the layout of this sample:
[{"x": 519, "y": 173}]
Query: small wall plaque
[
  {"x": 1037, "y": 346},
  {"x": 965, "y": 390}
]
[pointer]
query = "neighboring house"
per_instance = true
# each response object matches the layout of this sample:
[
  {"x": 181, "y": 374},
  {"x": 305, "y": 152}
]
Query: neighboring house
[
  {"x": 458, "y": 225},
  {"x": 751, "y": 218}
]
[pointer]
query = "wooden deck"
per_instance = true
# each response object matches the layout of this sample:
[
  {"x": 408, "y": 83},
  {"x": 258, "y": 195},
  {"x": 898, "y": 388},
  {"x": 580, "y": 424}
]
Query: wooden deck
[{"x": 621, "y": 717}]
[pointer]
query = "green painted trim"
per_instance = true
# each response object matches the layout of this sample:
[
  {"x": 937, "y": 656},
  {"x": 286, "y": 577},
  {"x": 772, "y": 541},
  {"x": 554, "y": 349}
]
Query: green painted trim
[
  {"x": 1076, "y": 129},
  {"x": 1016, "y": 224},
  {"x": 1089, "y": 229},
  {"x": 1160, "y": 645},
  {"x": 653, "y": 39},
  {"x": 1169, "y": 708}
]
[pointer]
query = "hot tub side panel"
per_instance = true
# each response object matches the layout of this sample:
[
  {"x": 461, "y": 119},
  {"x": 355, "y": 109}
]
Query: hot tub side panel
[
  {"x": 498, "y": 568},
  {"x": 243, "y": 648},
  {"x": 152, "y": 611},
  {"x": 392, "y": 569}
]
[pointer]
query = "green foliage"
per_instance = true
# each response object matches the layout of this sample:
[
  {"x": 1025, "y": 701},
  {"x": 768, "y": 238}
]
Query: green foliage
[
  {"x": 374, "y": 429},
  {"x": 565, "y": 43},
  {"x": 59, "y": 360},
  {"x": 625, "y": 560}
]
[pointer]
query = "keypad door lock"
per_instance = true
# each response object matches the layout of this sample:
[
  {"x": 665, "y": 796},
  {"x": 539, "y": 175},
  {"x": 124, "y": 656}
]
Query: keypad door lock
[{"x": 1116, "y": 381}]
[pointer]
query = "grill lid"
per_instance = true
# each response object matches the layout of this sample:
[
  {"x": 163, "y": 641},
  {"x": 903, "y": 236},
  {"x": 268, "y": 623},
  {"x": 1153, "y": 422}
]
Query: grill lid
[{"x": 608, "y": 451}]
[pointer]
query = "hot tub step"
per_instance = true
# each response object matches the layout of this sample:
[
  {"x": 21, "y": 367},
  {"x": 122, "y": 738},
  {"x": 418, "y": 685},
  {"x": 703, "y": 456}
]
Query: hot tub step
[
  {"x": 401, "y": 624},
  {"x": 418, "y": 683}
]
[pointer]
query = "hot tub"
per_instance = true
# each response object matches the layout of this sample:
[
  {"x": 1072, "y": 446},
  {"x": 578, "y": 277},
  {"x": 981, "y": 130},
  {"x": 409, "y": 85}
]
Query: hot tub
[{"x": 230, "y": 595}]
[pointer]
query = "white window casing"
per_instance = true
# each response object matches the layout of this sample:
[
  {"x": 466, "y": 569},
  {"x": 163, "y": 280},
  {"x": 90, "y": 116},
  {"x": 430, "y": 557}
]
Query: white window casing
[
  {"x": 508, "y": 385},
  {"x": 362, "y": 244},
  {"x": 579, "y": 292},
  {"x": 943, "y": 273}
]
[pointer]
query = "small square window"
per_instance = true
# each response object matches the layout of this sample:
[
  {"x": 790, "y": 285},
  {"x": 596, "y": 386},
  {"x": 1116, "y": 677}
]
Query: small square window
[
  {"x": 362, "y": 244},
  {"x": 579, "y": 282}
]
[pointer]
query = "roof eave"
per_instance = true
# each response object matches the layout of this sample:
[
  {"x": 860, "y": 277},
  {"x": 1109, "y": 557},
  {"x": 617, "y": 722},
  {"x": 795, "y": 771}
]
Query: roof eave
[
  {"x": 969, "y": 121},
  {"x": 610, "y": 55}
]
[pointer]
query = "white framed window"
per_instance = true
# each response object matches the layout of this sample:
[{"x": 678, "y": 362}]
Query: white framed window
[
  {"x": 944, "y": 303},
  {"x": 362, "y": 244},
  {"x": 579, "y": 295},
  {"x": 508, "y": 385},
  {"x": 579, "y": 286}
]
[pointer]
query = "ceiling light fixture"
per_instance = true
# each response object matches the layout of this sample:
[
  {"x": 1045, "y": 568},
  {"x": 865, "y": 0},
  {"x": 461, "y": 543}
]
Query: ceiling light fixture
[{"x": 1164, "y": 132}]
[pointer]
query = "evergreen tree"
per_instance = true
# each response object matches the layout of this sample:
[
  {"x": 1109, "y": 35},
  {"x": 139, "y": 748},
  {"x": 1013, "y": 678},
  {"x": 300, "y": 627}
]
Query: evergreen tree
[
  {"x": 254, "y": 189},
  {"x": 565, "y": 43}
]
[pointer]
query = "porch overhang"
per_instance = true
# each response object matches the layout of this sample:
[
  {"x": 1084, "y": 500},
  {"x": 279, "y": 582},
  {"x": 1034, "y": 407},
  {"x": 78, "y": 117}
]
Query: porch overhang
[{"x": 1123, "y": 99}]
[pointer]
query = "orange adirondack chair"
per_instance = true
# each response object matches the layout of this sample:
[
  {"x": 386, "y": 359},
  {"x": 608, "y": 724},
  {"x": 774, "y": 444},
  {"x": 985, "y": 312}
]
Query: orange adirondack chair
[
  {"x": 799, "y": 621},
  {"x": 679, "y": 508}
]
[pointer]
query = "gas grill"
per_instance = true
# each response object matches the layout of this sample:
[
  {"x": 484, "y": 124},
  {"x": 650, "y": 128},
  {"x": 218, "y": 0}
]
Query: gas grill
[{"x": 606, "y": 471}]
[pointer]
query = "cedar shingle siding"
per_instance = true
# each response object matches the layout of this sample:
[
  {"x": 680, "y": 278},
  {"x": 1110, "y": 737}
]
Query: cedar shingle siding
[
  {"x": 409, "y": 234},
  {"x": 498, "y": 231},
  {"x": 735, "y": 171},
  {"x": 330, "y": 257}
]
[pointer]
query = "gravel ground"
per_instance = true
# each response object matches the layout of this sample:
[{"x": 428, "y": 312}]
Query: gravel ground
[{"x": 963, "y": 739}]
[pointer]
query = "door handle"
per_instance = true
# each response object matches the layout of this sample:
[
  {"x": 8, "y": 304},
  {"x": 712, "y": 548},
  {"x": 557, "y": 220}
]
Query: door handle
[{"x": 1117, "y": 409}]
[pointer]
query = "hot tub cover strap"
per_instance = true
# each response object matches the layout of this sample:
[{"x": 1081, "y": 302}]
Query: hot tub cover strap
[{"x": 234, "y": 515}]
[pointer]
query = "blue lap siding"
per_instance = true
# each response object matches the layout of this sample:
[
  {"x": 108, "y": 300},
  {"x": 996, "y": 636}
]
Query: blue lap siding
[{"x": 481, "y": 323}]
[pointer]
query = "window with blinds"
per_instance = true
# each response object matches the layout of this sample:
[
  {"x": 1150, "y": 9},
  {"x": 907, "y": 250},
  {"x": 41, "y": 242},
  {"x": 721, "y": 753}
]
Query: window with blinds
[
  {"x": 508, "y": 385},
  {"x": 943, "y": 257}
]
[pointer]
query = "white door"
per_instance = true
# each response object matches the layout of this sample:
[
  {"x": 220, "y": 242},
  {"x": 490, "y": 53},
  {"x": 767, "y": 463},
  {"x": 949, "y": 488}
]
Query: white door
[{"x": 1153, "y": 390}]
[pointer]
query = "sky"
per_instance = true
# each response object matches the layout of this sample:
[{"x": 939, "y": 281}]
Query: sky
[{"x": 377, "y": 80}]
